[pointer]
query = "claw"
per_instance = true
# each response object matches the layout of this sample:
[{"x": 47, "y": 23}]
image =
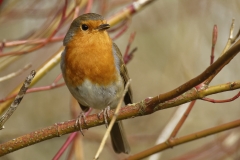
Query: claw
[
  {"x": 98, "y": 115},
  {"x": 105, "y": 112},
  {"x": 79, "y": 121}
]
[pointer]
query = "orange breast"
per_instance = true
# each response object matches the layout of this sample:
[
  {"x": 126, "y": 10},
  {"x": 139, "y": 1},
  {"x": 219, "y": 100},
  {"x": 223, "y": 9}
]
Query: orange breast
[{"x": 90, "y": 57}]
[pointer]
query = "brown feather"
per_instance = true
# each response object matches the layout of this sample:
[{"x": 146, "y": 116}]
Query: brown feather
[{"x": 124, "y": 74}]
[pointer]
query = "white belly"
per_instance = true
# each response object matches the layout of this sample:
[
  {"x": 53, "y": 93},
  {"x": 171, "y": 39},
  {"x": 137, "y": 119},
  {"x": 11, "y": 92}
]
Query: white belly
[{"x": 98, "y": 97}]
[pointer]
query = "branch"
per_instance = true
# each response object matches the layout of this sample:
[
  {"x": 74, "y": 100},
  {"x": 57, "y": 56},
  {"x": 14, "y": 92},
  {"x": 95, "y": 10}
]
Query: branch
[
  {"x": 152, "y": 104},
  {"x": 132, "y": 110},
  {"x": 225, "y": 145},
  {"x": 174, "y": 142}
]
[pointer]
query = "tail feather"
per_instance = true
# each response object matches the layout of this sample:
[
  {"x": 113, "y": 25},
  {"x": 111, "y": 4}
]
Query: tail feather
[{"x": 119, "y": 140}]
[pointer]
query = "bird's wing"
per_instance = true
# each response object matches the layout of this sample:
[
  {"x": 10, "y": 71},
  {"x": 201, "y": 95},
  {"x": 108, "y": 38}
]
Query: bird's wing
[{"x": 124, "y": 74}]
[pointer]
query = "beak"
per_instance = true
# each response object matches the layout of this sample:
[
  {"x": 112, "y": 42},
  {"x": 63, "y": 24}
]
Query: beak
[{"x": 103, "y": 27}]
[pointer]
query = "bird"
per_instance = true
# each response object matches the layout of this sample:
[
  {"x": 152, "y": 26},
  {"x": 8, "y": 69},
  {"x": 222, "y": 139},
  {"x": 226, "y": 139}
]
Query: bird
[{"x": 94, "y": 71}]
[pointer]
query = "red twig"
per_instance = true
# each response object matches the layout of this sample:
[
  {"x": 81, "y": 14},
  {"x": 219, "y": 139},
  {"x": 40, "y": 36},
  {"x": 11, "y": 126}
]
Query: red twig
[
  {"x": 182, "y": 120},
  {"x": 65, "y": 145},
  {"x": 89, "y": 6},
  {"x": 44, "y": 88},
  {"x": 40, "y": 42},
  {"x": 63, "y": 18},
  {"x": 129, "y": 55},
  {"x": 22, "y": 52},
  {"x": 222, "y": 101},
  {"x": 123, "y": 23},
  {"x": 123, "y": 29},
  {"x": 214, "y": 40},
  {"x": 36, "y": 89},
  {"x": 58, "y": 78},
  {"x": 32, "y": 41},
  {"x": 104, "y": 6},
  {"x": 68, "y": 141}
]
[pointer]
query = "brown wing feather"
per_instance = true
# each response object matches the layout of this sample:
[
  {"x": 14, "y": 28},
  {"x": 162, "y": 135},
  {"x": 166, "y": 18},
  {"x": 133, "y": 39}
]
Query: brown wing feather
[{"x": 124, "y": 75}]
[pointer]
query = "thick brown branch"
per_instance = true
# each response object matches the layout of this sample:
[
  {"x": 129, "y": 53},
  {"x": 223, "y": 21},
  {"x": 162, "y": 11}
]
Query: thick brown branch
[{"x": 129, "y": 111}]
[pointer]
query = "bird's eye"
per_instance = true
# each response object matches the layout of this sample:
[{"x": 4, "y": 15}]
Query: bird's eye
[{"x": 84, "y": 27}]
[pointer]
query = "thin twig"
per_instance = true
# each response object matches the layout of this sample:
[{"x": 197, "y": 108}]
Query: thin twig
[
  {"x": 36, "y": 89},
  {"x": 230, "y": 42},
  {"x": 73, "y": 135},
  {"x": 221, "y": 146},
  {"x": 182, "y": 120},
  {"x": 222, "y": 101},
  {"x": 180, "y": 140},
  {"x": 14, "y": 74},
  {"x": 17, "y": 100},
  {"x": 123, "y": 29},
  {"x": 58, "y": 78},
  {"x": 214, "y": 41},
  {"x": 65, "y": 145},
  {"x": 114, "y": 29},
  {"x": 166, "y": 131},
  {"x": 40, "y": 45},
  {"x": 32, "y": 41},
  {"x": 112, "y": 121},
  {"x": 236, "y": 37},
  {"x": 129, "y": 55},
  {"x": 89, "y": 6}
]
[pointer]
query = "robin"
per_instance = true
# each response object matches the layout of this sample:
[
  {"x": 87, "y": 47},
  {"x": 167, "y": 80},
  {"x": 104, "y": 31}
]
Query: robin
[{"x": 94, "y": 71}]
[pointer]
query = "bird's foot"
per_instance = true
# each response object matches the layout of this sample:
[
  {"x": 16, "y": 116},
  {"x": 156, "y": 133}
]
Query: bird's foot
[
  {"x": 105, "y": 112},
  {"x": 78, "y": 123}
]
